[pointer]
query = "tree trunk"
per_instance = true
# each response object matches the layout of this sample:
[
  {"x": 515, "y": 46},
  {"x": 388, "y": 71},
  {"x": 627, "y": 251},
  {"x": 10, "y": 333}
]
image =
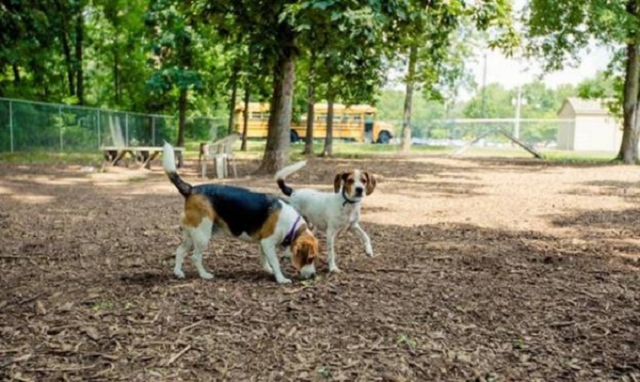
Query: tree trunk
[
  {"x": 629, "y": 147},
  {"x": 182, "y": 119},
  {"x": 408, "y": 100},
  {"x": 116, "y": 75},
  {"x": 245, "y": 115},
  {"x": 232, "y": 101},
  {"x": 276, "y": 153},
  {"x": 69, "y": 62},
  {"x": 16, "y": 74},
  {"x": 328, "y": 140},
  {"x": 311, "y": 100},
  {"x": 78, "y": 58}
]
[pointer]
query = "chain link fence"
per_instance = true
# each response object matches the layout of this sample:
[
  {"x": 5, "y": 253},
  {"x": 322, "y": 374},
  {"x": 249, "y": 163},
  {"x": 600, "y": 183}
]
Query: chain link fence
[
  {"x": 537, "y": 133},
  {"x": 27, "y": 126}
]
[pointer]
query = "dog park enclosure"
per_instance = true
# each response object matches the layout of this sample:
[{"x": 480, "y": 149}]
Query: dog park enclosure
[{"x": 488, "y": 270}]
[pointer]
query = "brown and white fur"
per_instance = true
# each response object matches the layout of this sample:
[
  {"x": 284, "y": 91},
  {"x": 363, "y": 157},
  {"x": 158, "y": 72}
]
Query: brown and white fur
[
  {"x": 334, "y": 212},
  {"x": 211, "y": 210}
]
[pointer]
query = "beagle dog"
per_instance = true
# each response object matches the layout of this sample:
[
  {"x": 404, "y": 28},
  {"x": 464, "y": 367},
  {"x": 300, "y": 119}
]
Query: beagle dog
[
  {"x": 211, "y": 210},
  {"x": 335, "y": 212}
]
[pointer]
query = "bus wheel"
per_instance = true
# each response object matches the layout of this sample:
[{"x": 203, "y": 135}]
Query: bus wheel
[
  {"x": 293, "y": 136},
  {"x": 384, "y": 137}
]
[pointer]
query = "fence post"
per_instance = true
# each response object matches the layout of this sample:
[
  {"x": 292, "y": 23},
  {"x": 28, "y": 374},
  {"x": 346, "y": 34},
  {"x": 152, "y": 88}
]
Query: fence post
[
  {"x": 126, "y": 129},
  {"x": 153, "y": 130},
  {"x": 61, "y": 128},
  {"x": 99, "y": 135},
  {"x": 11, "y": 124}
]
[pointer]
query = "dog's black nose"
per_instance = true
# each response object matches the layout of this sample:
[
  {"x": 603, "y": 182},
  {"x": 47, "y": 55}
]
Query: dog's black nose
[{"x": 359, "y": 190}]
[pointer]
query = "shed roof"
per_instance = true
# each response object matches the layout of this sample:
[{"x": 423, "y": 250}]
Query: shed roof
[{"x": 585, "y": 106}]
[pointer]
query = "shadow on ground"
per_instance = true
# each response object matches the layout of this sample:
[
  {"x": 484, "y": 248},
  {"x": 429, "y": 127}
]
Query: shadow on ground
[{"x": 87, "y": 293}]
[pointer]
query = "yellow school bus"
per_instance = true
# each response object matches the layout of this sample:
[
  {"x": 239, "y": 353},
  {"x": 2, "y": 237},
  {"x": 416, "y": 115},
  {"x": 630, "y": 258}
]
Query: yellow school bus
[{"x": 353, "y": 123}]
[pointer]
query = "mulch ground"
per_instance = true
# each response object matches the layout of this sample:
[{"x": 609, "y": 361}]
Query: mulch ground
[{"x": 87, "y": 293}]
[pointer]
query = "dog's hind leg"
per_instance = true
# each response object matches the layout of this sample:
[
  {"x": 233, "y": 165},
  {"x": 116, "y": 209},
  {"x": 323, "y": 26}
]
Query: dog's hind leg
[
  {"x": 201, "y": 236},
  {"x": 364, "y": 238},
  {"x": 183, "y": 249}
]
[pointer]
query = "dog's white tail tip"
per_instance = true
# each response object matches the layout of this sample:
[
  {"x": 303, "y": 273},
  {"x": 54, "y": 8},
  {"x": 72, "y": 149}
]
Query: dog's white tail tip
[
  {"x": 168, "y": 158},
  {"x": 286, "y": 171}
]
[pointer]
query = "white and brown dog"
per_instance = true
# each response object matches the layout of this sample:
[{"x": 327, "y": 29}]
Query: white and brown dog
[
  {"x": 211, "y": 209},
  {"x": 335, "y": 212}
]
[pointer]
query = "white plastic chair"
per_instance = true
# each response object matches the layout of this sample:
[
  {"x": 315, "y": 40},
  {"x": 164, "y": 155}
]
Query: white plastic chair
[{"x": 221, "y": 152}]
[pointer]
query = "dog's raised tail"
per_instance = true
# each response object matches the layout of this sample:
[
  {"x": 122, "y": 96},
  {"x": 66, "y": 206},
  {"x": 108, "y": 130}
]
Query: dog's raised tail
[
  {"x": 285, "y": 172},
  {"x": 169, "y": 165}
]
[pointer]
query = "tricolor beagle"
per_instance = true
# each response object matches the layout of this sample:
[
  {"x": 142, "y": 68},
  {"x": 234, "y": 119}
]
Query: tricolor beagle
[
  {"x": 332, "y": 212},
  {"x": 211, "y": 209}
]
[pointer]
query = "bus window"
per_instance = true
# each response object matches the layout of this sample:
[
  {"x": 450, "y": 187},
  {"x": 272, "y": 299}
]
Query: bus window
[{"x": 357, "y": 118}]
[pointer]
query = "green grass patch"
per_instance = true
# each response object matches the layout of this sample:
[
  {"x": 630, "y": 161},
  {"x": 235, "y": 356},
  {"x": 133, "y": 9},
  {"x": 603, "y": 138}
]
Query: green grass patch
[
  {"x": 39, "y": 157},
  {"x": 341, "y": 150},
  {"x": 571, "y": 157}
]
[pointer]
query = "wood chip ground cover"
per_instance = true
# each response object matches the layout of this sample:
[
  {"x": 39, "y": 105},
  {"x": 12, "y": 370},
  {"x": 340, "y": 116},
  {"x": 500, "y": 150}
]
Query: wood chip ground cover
[{"x": 486, "y": 270}]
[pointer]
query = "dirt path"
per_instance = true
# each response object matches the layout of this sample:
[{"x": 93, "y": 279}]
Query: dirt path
[{"x": 487, "y": 270}]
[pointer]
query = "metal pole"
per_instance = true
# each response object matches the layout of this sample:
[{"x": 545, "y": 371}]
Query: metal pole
[
  {"x": 99, "y": 133},
  {"x": 153, "y": 130},
  {"x": 516, "y": 132},
  {"x": 484, "y": 85},
  {"x": 61, "y": 127},
  {"x": 126, "y": 129},
  {"x": 11, "y": 124}
]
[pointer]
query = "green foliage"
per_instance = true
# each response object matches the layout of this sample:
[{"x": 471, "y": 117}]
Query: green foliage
[
  {"x": 539, "y": 101},
  {"x": 174, "y": 45},
  {"x": 559, "y": 31},
  {"x": 606, "y": 86}
]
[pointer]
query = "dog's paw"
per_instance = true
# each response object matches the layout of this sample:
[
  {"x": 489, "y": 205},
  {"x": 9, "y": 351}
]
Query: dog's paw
[
  {"x": 206, "y": 275},
  {"x": 334, "y": 269},
  {"x": 284, "y": 280},
  {"x": 369, "y": 253},
  {"x": 268, "y": 270},
  {"x": 179, "y": 274}
]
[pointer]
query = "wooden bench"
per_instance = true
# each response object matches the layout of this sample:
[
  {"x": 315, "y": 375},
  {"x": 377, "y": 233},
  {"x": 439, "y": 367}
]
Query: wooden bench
[{"x": 143, "y": 154}]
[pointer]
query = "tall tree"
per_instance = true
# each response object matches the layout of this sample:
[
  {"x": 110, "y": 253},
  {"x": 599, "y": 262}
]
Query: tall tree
[
  {"x": 429, "y": 34},
  {"x": 288, "y": 24},
  {"x": 559, "y": 32},
  {"x": 174, "y": 48}
]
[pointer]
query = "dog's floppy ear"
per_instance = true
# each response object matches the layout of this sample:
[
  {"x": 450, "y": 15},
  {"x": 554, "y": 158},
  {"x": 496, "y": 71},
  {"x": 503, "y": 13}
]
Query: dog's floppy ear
[
  {"x": 337, "y": 181},
  {"x": 371, "y": 182}
]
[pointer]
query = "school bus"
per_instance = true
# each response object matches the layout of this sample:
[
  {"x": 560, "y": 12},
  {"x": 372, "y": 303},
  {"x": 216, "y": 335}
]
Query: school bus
[{"x": 353, "y": 123}]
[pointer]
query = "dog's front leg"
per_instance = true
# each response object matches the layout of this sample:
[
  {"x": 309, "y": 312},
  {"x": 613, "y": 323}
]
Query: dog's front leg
[
  {"x": 363, "y": 237},
  {"x": 269, "y": 250},
  {"x": 264, "y": 262},
  {"x": 331, "y": 253}
]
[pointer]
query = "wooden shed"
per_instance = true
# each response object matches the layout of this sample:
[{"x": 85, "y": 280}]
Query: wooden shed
[{"x": 588, "y": 127}]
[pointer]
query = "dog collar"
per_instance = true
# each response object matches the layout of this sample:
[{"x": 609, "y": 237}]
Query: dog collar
[
  {"x": 347, "y": 200},
  {"x": 289, "y": 238}
]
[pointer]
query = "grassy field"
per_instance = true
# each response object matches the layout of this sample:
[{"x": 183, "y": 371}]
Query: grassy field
[{"x": 345, "y": 150}]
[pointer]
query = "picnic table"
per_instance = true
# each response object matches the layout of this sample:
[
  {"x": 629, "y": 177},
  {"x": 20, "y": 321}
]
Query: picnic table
[{"x": 143, "y": 154}]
